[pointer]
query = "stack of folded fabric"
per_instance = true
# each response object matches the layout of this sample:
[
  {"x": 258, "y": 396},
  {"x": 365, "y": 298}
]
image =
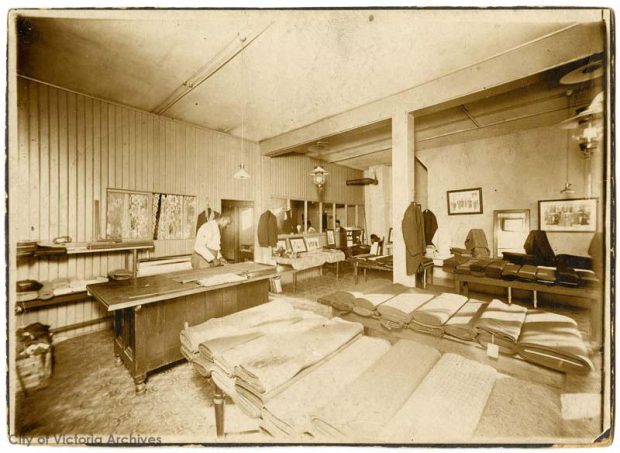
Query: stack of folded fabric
[
  {"x": 587, "y": 278},
  {"x": 478, "y": 268},
  {"x": 397, "y": 312},
  {"x": 367, "y": 304},
  {"x": 527, "y": 273},
  {"x": 192, "y": 336},
  {"x": 501, "y": 324},
  {"x": 510, "y": 271},
  {"x": 567, "y": 276},
  {"x": 288, "y": 413},
  {"x": 360, "y": 410},
  {"x": 462, "y": 324},
  {"x": 546, "y": 275},
  {"x": 494, "y": 269},
  {"x": 465, "y": 268},
  {"x": 447, "y": 405},
  {"x": 431, "y": 316},
  {"x": 341, "y": 300},
  {"x": 553, "y": 341},
  {"x": 272, "y": 365}
]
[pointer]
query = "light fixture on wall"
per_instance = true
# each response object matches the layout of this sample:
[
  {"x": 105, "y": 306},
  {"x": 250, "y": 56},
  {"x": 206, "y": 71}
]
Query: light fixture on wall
[
  {"x": 241, "y": 173},
  {"x": 319, "y": 177}
]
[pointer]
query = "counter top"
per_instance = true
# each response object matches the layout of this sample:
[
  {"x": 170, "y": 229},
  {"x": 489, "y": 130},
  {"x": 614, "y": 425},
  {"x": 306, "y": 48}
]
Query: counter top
[{"x": 116, "y": 295}]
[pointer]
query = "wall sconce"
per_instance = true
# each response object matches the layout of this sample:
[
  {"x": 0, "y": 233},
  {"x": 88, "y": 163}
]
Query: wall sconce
[
  {"x": 318, "y": 177},
  {"x": 241, "y": 173}
]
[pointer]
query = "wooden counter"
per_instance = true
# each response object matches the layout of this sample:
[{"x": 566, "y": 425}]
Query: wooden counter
[{"x": 150, "y": 312}]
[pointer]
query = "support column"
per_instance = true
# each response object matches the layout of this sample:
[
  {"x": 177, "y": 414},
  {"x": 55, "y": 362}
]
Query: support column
[{"x": 403, "y": 188}]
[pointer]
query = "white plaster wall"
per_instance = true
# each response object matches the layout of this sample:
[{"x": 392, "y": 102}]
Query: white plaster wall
[
  {"x": 514, "y": 171},
  {"x": 378, "y": 201}
]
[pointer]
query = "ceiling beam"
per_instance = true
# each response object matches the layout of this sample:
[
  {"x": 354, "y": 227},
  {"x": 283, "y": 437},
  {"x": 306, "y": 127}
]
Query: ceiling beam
[
  {"x": 364, "y": 150},
  {"x": 571, "y": 43},
  {"x": 470, "y": 116},
  {"x": 221, "y": 59}
]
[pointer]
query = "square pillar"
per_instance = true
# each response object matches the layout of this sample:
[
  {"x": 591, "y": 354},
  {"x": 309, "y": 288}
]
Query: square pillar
[{"x": 403, "y": 189}]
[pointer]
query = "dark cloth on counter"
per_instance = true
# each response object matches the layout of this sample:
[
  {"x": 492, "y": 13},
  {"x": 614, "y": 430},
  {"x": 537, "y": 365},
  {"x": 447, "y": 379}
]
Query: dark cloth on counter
[
  {"x": 476, "y": 242},
  {"x": 588, "y": 278},
  {"x": 413, "y": 235},
  {"x": 520, "y": 258},
  {"x": 430, "y": 226},
  {"x": 465, "y": 268},
  {"x": 537, "y": 244},
  {"x": 478, "y": 268},
  {"x": 577, "y": 262},
  {"x": 510, "y": 271},
  {"x": 267, "y": 230}
]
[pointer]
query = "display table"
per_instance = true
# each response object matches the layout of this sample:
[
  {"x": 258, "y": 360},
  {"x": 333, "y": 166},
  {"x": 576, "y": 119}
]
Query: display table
[
  {"x": 149, "y": 312},
  {"x": 311, "y": 260}
]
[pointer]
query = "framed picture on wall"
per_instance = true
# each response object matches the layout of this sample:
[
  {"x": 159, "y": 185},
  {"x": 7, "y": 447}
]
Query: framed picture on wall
[
  {"x": 298, "y": 245},
  {"x": 568, "y": 215},
  {"x": 465, "y": 201},
  {"x": 331, "y": 239}
]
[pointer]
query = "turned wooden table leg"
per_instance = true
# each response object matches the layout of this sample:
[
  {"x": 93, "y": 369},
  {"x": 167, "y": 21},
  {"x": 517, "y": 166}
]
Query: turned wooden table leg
[
  {"x": 218, "y": 406},
  {"x": 509, "y": 295},
  {"x": 140, "y": 383},
  {"x": 535, "y": 299},
  {"x": 355, "y": 268}
]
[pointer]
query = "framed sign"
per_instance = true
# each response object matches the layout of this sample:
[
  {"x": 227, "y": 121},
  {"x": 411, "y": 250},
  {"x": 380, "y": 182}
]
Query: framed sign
[
  {"x": 331, "y": 239},
  {"x": 313, "y": 243},
  {"x": 568, "y": 215},
  {"x": 465, "y": 201},
  {"x": 297, "y": 245}
]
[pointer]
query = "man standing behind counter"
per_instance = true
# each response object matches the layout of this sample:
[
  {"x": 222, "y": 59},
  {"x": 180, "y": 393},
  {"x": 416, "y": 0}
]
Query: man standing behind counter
[{"x": 207, "y": 247}]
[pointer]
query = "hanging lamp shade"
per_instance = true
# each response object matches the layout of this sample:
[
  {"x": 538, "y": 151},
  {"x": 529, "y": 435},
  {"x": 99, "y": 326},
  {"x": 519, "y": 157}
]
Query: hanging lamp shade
[
  {"x": 590, "y": 71},
  {"x": 241, "y": 173},
  {"x": 568, "y": 189}
]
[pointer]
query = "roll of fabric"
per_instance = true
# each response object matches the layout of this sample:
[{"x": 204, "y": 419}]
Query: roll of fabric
[
  {"x": 501, "y": 324},
  {"x": 367, "y": 304},
  {"x": 428, "y": 329},
  {"x": 202, "y": 366},
  {"x": 465, "y": 268},
  {"x": 462, "y": 324},
  {"x": 280, "y": 361},
  {"x": 567, "y": 276},
  {"x": 510, "y": 271},
  {"x": 554, "y": 341},
  {"x": 359, "y": 411},
  {"x": 400, "y": 308},
  {"x": 478, "y": 268},
  {"x": 287, "y": 414},
  {"x": 47, "y": 291},
  {"x": 527, "y": 273},
  {"x": 341, "y": 300},
  {"x": 229, "y": 325},
  {"x": 447, "y": 405},
  {"x": 588, "y": 278},
  {"x": 546, "y": 275},
  {"x": 438, "y": 310}
]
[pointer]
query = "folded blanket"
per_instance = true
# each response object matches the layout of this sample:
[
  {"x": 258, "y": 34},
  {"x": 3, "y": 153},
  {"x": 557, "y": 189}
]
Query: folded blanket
[
  {"x": 587, "y": 278},
  {"x": 392, "y": 325},
  {"x": 553, "y": 341},
  {"x": 567, "y": 276},
  {"x": 229, "y": 325},
  {"x": 494, "y": 269},
  {"x": 341, "y": 300},
  {"x": 478, "y": 268},
  {"x": 400, "y": 308},
  {"x": 527, "y": 273},
  {"x": 426, "y": 328},
  {"x": 462, "y": 324},
  {"x": 465, "y": 268},
  {"x": 446, "y": 407},
  {"x": 367, "y": 304},
  {"x": 358, "y": 412},
  {"x": 287, "y": 414},
  {"x": 278, "y": 361},
  {"x": 202, "y": 366},
  {"x": 501, "y": 324},
  {"x": 546, "y": 275},
  {"x": 438, "y": 310},
  {"x": 510, "y": 271}
]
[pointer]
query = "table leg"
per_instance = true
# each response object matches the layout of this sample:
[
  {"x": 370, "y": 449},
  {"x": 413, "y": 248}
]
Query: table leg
[
  {"x": 423, "y": 278},
  {"x": 365, "y": 275},
  {"x": 355, "y": 269},
  {"x": 535, "y": 299},
  {"x": 466, "y": 289},
  {"x": 509, "y": 295},
  {"x": 134, "y": 267},
  {"x": 294, "y": 281},
  {"x": 337, "y": 270},
  {"x": 432, "y": 276},
  {"x": 140, "y": 383},
  {"x": 218, "y": 406}
]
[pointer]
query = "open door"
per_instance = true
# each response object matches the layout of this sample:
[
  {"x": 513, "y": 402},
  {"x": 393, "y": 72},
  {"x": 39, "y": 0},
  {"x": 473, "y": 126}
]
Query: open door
[
  {"x": 238, "y": 238},
  {"x": 510, "y": 230}
]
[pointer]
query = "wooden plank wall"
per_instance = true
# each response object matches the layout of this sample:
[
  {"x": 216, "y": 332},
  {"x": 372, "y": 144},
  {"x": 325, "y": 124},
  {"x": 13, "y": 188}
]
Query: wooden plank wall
[{"x": 72, "y": 147}]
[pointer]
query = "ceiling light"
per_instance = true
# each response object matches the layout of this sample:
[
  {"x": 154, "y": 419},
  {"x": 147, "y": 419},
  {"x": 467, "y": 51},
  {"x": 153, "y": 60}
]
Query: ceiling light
[
  {"x": 241, "y": 173},
  {"x": 318, "y": 177}
]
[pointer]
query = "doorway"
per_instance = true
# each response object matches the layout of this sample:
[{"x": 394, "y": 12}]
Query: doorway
[
  {"x": 510, "y": 230},
  {"x": 238, "y": 238}
]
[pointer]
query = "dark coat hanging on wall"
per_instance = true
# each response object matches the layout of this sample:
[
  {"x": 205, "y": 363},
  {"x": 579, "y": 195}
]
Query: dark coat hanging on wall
[
  {"x": 413, "y": 234},
  {"x": 267, "y": 229},
  {"x": 430, "y": 226}
]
